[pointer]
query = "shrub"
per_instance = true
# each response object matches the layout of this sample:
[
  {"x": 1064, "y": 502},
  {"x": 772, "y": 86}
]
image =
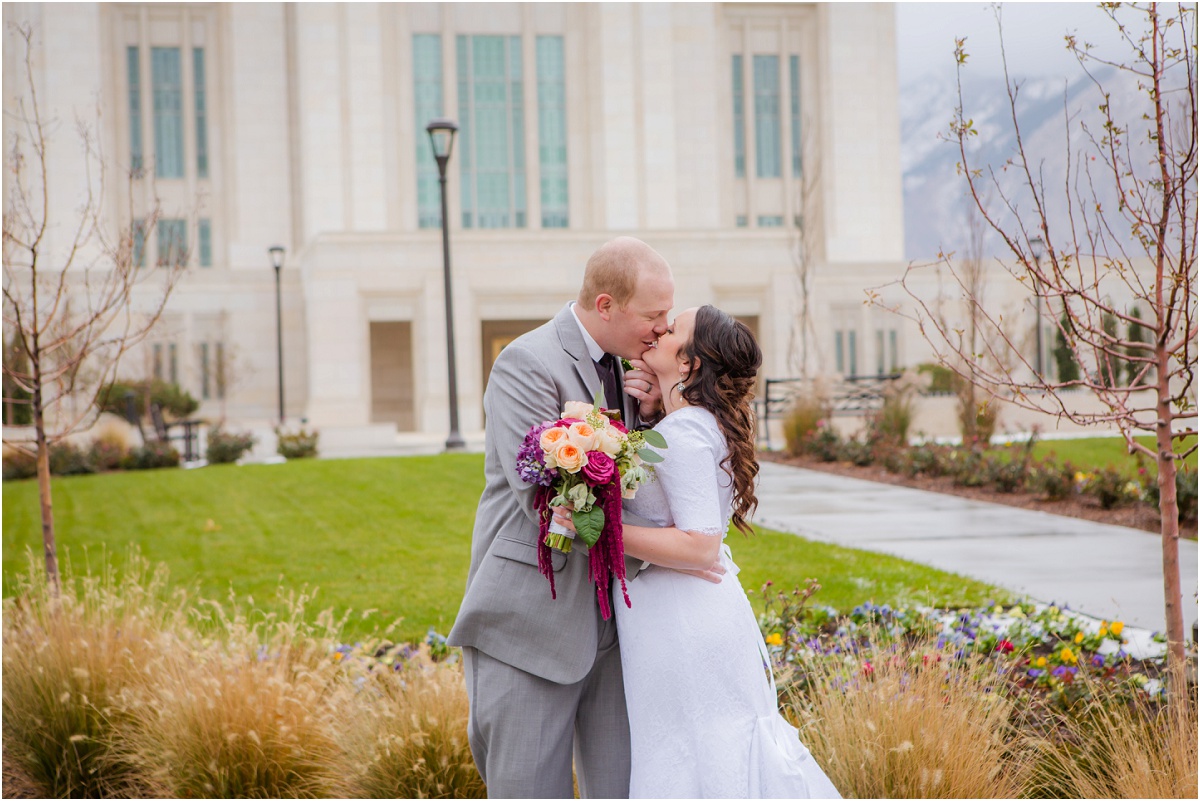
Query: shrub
[
  {"x": 984, "y": 422},
  {"x": 301, "y": 444},
  {"x": 898, "y": 460},
  {"x": 423, "y": 753},
  {"x": 152, "y": 455},
  {"x": 18, "y": 465},
  {"x": 1008, "y": 476},
  {"x": 930, "y": 459},
  {"x": 1185, "y": 491},
  {"x": 941, "y": 380},
  {"x": 224, "y": 447},
  {"x": 823, "y": 443},
  {"x": 970, "y": 469},
  {"x": 1052, "y": 480},
  {"x": 68, "y": 664},
  {"x": 860, "y": 452},
  {"x": 802, "y": 420},
  {"x": 891, "y": 422},
  {"x": 889, "y": 722},
  {"x": 68, "y": 459},
  {"x": 174, "y": 401},
  {"x": 1108, "y": 485},
  {"x": 106, "y": 454}
]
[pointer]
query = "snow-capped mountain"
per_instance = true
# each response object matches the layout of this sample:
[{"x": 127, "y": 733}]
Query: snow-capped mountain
[{"x": 935, "y": 193}]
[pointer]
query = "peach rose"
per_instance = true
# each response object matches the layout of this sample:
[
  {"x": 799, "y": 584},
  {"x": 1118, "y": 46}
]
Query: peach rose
[
  {"x": 569, "y": 457},
  {"x": 551, "y": 438},
  {"x": 610, "y": 441},
  {"x": 582, "y": 436},
  {"x": 576, "y": 410}
]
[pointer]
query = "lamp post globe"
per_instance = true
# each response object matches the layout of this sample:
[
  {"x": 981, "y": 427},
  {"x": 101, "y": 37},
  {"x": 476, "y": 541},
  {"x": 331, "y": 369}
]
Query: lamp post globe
[
  {"x": 441, "y": 140},
  {"x": 276, "y": 253}
]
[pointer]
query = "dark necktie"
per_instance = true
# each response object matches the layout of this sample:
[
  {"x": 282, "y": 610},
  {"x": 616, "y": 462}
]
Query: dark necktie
[{"x": 606, "y": 368}]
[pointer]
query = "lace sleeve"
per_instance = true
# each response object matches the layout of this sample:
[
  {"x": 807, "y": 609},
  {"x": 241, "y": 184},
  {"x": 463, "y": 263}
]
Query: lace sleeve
[{"x": 689, "y": 475}]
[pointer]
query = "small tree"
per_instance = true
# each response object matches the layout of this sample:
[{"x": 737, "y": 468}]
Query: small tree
[
  {"x": 71, "y": 309},
  {"x": 1088, "y": 257},
  {"x": 1064, "y": 358}
]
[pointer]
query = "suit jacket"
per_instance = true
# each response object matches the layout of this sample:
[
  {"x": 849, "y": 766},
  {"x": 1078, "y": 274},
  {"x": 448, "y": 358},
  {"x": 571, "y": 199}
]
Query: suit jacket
[{"x": 507, "y": 611}]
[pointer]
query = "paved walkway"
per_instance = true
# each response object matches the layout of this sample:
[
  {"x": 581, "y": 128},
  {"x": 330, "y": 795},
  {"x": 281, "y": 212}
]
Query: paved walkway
[{"x": 1109, "y": 572}]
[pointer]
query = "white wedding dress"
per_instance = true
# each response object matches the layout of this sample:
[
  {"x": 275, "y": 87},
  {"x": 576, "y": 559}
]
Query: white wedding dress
[{"x": 703, "y": 714}]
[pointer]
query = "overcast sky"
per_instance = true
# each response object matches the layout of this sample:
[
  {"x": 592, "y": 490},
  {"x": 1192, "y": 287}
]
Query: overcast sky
[{"x": 1033, "y": 36}]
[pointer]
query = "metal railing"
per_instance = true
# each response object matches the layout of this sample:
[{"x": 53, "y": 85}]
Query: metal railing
[{"x": 850, "y": 395}]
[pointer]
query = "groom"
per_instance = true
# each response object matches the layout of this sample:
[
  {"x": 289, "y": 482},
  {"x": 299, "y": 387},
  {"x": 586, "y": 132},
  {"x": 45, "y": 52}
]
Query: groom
[{"x": 544, "y": 676}]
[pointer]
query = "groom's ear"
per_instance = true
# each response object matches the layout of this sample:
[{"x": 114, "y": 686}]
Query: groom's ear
[{"x": 605, "y": 306}]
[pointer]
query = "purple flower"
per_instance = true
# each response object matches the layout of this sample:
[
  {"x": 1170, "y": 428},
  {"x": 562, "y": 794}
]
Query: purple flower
[
  {"x": 531, "y": 463},
  {"x": 1036, "y": 673},
  {"x": 1059, "y": 672}
]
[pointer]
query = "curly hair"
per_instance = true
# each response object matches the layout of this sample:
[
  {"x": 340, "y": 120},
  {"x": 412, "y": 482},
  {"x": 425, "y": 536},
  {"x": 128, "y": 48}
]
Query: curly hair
[{"x": 725, "y": 359}]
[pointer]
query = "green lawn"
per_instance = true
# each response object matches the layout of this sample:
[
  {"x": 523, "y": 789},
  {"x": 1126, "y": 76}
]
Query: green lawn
[
  {"x": 1093, "y": 453},
  {"x": 388, "y": 534}
]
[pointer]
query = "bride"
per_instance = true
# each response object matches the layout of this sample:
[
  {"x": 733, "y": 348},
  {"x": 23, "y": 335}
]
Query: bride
[{"x": 703, "y": 712}]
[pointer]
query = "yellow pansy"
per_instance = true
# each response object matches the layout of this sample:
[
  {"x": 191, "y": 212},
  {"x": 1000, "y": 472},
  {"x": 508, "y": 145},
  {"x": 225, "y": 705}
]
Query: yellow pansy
[
  {"x": 1103, "y": 632},
  {"x": 1041, "y": 661},
  {"x": 1068, "y": 655},
  {"x": 1079, "y": 638},
  {"x": 774, "y": 639},
  {"x": 1117, "y": 628}
]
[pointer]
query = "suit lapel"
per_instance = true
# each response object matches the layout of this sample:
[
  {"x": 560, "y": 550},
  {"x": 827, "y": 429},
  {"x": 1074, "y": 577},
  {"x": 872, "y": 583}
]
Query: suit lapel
[{"x": 576, "y": 348}]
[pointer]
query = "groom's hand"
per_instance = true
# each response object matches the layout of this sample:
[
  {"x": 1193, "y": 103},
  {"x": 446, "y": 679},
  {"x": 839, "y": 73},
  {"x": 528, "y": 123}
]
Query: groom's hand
[
  {"x": 642, "y": 385},
  {"x": 712, "y": 574}
]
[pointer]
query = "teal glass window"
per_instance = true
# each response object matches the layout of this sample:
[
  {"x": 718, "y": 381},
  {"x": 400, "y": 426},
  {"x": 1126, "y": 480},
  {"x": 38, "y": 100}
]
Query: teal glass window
[
  {"x": 133, "y": 62},
  {"x": 491, "y": 131},
  {"x": 770, "y": 221},
  {"x": 139, "y": 243},
  {"x": 172, "y": 242},
  {"x": 205, "y": 383},
  {"x": 845, "y": 352},
  {"x": 794, "y": 70},
  {"x": 880, "y": 355},
  {"x": 201, "y": 100},
  {"x": 766, "y": 116},
  {"x": 552, "y": 130},
  {"x": 205, "y": 243},
  {"x": 739, "y": 119},
  {"x": 427, "y": 98},
  {"x": 167, "y": 78},
  {"x": 742, "y": 221}
]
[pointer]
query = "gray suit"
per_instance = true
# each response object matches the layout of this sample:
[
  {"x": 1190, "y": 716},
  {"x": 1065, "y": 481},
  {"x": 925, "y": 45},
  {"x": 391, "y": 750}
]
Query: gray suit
[{"x": 541, "y": 674}]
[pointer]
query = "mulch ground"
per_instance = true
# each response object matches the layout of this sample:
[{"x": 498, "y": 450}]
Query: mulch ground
[{"x": 1085, "y": 507}]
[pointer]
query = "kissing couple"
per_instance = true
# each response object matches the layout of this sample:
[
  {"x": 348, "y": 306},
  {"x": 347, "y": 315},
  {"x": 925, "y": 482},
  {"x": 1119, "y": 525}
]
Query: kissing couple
[{"x": 672, "y": 697}]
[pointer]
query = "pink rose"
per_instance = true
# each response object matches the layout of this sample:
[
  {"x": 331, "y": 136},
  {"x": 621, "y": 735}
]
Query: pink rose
[{"x": 600, "y": 468}]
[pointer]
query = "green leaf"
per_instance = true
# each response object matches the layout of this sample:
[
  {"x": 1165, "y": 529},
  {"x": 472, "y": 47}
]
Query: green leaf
[
  {"x": 649, "y": 456},
  {"x": 589, "y": 524},
  {"x": 654, "y": 438},
  {"x": 598, "y": 401}
]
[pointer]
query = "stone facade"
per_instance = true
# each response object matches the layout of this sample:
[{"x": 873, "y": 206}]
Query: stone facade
[{"x": 310, "y": 142}]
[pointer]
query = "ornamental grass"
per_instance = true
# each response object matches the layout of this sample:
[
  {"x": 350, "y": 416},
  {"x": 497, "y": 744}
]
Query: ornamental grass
[{"x": 907, "y": 721}]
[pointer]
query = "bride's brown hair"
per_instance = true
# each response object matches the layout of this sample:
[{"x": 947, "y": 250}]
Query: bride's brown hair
[{"x": 725, "y": 359}]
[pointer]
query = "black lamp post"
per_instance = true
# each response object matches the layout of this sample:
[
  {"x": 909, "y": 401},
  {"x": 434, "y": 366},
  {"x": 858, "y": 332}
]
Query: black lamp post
[
  {"x": 277, "y": 262},
  {"x": 441, "y": 138},
  {"x": 1038, "y": 247}
]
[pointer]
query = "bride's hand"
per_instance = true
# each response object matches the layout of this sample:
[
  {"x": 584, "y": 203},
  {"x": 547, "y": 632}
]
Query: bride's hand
[
  {"x": 562, "y": 516},
  {"x": 712, "y": 574},
  {"x": 642, "y": 385}
]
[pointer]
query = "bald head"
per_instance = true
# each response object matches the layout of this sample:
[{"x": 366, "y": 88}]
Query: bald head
[
  {"x": 616, "y": 268},
  {"x": 626, "y": 295}
]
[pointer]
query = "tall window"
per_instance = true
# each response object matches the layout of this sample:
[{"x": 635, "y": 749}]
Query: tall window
[
  {"x": 133, "y": 64},
  {"x": 201, "y": 112},
  {"x": 427, "y": 93},
  {"x": 139, "y": 243},
  {"x": 158, "y": 361},
  {"x": 766, "y": 116},
  {"x": 491, "y": 112},
  {"x": 172, "y": 242},
  {"x": 204, "y": 234},
  {"x": 845, "y": 351},
  {"x": 167, "y": 77},
  {"x": 172, "y": 364},
  {"x": 205, "y": 373},
  {"x": 794, "y": 86},
  {"x": 552, "y": 130},
  {"x": 739, "y": 119}
]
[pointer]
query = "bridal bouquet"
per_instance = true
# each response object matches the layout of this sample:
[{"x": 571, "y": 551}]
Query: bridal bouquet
[{"x": 588, "y": 462}]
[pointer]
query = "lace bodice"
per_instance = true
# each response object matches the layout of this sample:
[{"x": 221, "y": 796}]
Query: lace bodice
[{"x": 689, "y": 490}]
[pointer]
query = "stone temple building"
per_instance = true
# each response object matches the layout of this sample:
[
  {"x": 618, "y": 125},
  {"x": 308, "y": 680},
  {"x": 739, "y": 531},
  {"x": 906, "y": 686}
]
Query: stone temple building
[{"x": 756, "y": 146}]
